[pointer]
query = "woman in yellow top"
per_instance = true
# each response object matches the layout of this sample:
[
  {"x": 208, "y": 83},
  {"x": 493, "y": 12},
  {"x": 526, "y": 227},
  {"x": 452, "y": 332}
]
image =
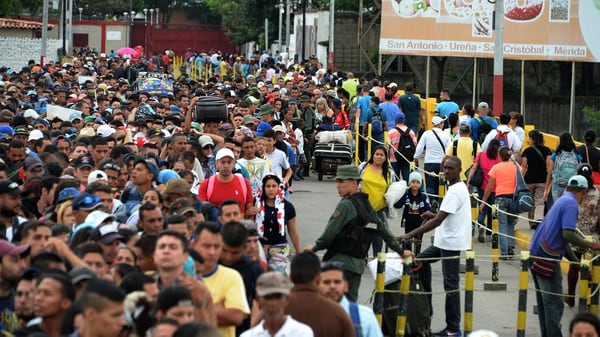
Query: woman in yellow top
[{"x": 376, "y": 178}]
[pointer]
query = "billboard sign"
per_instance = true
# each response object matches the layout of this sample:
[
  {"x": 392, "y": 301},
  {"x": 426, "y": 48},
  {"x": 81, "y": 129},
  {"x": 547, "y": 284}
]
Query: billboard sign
[{"x": 566, "y": 30}]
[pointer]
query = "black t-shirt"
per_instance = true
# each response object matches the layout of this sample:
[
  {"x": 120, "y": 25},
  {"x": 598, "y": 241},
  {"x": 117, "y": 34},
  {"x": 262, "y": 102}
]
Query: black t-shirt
[
  {"x": 536, "y": 164},
  {"x": 271, "y": 225},
  {"x": 594, "y": 155}
]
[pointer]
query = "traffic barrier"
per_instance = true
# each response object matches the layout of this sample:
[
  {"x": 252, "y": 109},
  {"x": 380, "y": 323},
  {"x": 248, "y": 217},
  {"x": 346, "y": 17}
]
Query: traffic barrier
[
  {"x": 584, "y": 276},
  {"x": 469, "y": 287},
  {"x": 523, "y": 282},
  {"x": 404, "y": 290},
  {"x": 379, "y": 288},
  {"x": 594, "y": 284}
]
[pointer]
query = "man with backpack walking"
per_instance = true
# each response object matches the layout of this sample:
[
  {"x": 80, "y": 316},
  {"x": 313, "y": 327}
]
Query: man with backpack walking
[
  {"x": 505, "y": 135},
  {"x": 482, "y": 124},
  {"x": 464, "y": 148},
  {"x": 410, "y": 105},
  {"x": 403, "y": 143},
  {"x": 377, "y": 118}
]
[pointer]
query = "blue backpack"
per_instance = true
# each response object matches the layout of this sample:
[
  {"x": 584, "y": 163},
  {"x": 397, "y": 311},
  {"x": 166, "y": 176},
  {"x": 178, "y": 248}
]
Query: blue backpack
[{"x": 376, "y": 121}]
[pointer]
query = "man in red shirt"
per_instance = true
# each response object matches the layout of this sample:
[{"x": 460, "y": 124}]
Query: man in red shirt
[{"x": 226, "y": 185}]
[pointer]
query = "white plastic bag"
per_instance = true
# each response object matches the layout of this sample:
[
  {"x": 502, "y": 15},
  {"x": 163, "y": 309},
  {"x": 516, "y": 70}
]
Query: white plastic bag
[
  {"x": 394, "y": 265},
  {"x": 394, "y": 192}
]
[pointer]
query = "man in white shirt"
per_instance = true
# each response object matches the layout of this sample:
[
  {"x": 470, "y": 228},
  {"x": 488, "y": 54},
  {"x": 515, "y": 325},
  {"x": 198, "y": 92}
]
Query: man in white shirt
[
  {"x": 452, "y": 235},
  {"x": 434, "y": 143},
  {"x": 272, "y": 290},
  {"x": 505, "y": 135}
]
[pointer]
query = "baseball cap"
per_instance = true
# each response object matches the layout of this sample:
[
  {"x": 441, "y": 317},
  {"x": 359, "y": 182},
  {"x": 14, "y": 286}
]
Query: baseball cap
[
  {"x": 21, "y": 131},
  {"x": 176, "y": 186},
  {"x": 172, "y": 296},
  {"x": 81, "y": 274},
  {"x": 483, "y": 105},
  {"x": 7, "y": 248},
  {"x": 278, "y": 128},
  {"x": 578, "y": 181},
  {"x": 89, "y": 119},
  {"x": 167, "y": 175},
  {"x": 437, "y": 120},
  {"x": 97, "y": 175},
  {"x": 205, "y": 140},
  {"x": 105, "y": 131},
  {"x": 106, "y": 233},
  {"x": 150, "y": 165},
  {"x": 248, "y": 120},
  {"x": 67, "y": 194},
  {"x": 266, "y": 109},
  {"x": 252, "y": 100},
  {"x": 97, "y": 218},
  {"x": 9, "y": 187},
  {"x": 261, "y": 128},
  {"x": 182, "y": 206},
  {"x": 87, "y": 132},
  {"x": 39, "y": 121},
  {"x": 84, "y": 160},
  {"x": 224, "y": 152},
  {"x": 272, "y": 283},
  {"x": 154, "y": 132},
  {"x": 36, "y": 135},
  {"x": 392, "y": 85},
  {"x": 30, "y": 113},
  {"x": 32, "y": 162},
  {"x": 292, "y": 101},
  {"x": 74, "y": 115},
  {"x": 86, "y": 202},
  {"x": 400, "y": 117}
]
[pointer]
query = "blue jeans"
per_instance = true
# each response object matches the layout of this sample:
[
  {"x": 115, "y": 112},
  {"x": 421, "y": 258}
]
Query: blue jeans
[
  {"x": 486, "y": 215},
  {"x": 432, "y": 182},
  {"x": 450, "y": 273},
  {"x": 556, "y": 191},
  {"x": 550, "y": 306},
  {"x": 507, "y": 224}
]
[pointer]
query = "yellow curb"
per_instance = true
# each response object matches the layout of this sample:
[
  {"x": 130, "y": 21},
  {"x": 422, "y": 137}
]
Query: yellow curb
[{"x": 523, "y": 240}]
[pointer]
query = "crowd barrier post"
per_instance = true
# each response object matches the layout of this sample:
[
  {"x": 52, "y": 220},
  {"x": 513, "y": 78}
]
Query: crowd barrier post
[
  {"x": 404, "y": 290},
  {"x": 369, "y": 140},
  {"x": 523, "y": 286},
  {"x": 358, "y": 139},
  {"x": 379, "y": 288},
  {"x": 595, "y": 283},
  {"x": 584, "y": 289},
  {"x": 469, "y": 287},
  {"x": 442, "y": 186}
]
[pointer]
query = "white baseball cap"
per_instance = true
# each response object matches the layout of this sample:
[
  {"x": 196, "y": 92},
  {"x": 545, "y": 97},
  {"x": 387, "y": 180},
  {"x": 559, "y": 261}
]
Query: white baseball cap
[
  {"x": 97, "y": 175},
  {"x": 105, "y": 131},
  {"x": 224, "y": 152},
  {"x": 35, "y": 135},
  {"x": 437, "y": 120}
]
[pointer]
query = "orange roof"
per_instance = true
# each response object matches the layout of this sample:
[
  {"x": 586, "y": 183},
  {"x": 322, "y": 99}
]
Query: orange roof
[{"x": 21, "y": 24}]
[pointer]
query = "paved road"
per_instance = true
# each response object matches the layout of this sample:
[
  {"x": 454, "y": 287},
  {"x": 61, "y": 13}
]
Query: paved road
[{"x": 494, "y": 310}]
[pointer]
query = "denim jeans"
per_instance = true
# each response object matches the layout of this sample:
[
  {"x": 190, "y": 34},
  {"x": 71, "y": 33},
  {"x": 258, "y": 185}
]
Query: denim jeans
[
  {"x": 556, "y": 191},
  {"x": 486, "y": 214},
  {"x": 450, "y": 273},
  {"x": 401, "y": 169},
  {"x": 550, "y": 306},
  {"x": 507, "y": 224},
  {"x": 431, "y": 181}
]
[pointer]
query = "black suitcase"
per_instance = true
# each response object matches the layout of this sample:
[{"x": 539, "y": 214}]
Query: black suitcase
[
  {"x": 210, "y": 109},
  {"x": 328, "y": 156}
]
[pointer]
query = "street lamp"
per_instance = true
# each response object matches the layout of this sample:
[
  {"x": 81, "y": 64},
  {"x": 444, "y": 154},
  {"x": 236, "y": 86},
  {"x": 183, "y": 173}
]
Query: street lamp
[
  {"x": 145, "y": 10},
  {"x": 132, "y": 14},
  {"x": 151, "y": 15},
  {"x": 80, "y": 11},
  {"x": 125, "y": 16},
  {"x": 280, "y": 10},
  {"x": 157, "y": 16}
]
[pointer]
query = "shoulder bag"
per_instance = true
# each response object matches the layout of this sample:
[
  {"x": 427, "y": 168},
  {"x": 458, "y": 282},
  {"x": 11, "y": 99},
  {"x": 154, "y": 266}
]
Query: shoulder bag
[
  {"x": 477, "y": 178},
  {"x": 522, "y": 200}
]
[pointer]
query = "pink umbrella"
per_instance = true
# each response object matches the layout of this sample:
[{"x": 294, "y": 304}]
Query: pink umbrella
[{"x": 128, "y": 51}]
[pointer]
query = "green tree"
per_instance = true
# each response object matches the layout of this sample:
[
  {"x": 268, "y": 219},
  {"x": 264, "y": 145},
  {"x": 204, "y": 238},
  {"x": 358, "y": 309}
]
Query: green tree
[{"x": 10, "y": 8}]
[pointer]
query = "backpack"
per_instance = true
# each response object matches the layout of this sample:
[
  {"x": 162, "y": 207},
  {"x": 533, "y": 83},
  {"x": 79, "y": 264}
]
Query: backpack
[
  {"x": 565, "y": 166},
  {"x": 455, "y": 146},
  {"x": 355, "y": 238},
  {"x": 406, "y": 146},
  {"x": 485, "y": 126},
  {"x": 502, "y": 137},
  {"x": 376, "y": 121}
]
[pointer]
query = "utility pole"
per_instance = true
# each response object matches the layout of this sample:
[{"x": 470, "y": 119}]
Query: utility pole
[
  {"x": 303, "y": 31},
  {"x": 498, "y": 103},
  {"x": 44, "y": 34}
]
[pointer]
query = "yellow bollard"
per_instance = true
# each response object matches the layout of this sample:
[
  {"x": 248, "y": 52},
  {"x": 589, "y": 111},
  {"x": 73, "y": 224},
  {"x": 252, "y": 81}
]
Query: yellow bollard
[
  {"x": 523, "y": 283},
  {"x": 379, "y": 288},
  {"x": 404, "y": 290},
  {"x": 469, "y": 287},
  {"x": 442, "y": 185},
  {"x": 495, "y": 243},
  {"x": 594, "y": 284},
  {"x": 584, "y": 289},
  {"x": 358, "y": 139},
  {"x": 369, "y": 142}
]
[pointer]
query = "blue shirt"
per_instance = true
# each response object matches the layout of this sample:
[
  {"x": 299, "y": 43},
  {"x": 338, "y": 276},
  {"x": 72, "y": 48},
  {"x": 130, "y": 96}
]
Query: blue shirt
[
  {"x": 390, "y": 110},
  {"x": 363, "y": 103},
  {"x": 548, "y": 240},
  {"x": 445, "y": 108},
  {"x": 474, "y": 122},
  {"x": 368, "y": 322}
]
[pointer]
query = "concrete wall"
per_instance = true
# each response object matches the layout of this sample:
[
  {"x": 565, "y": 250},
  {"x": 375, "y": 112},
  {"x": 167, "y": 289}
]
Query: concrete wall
[{"x": 15, "y": 52}]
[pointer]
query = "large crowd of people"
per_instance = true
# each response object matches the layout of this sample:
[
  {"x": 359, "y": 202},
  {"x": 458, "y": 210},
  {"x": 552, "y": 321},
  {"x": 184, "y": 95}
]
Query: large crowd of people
[{"x": 122, "y": 214}]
